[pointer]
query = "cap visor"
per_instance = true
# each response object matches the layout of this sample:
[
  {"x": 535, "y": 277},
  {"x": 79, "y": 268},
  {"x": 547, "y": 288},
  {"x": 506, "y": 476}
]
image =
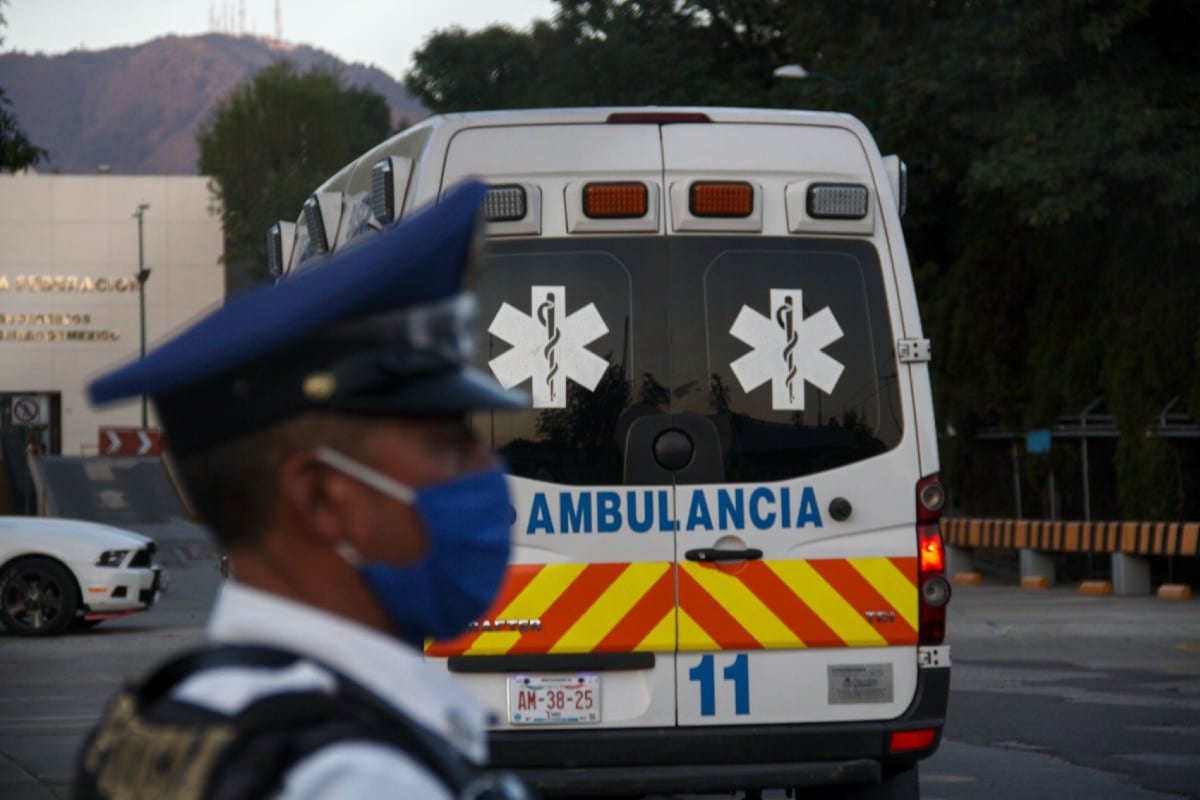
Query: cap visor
[{"x": 465, "y": 389}]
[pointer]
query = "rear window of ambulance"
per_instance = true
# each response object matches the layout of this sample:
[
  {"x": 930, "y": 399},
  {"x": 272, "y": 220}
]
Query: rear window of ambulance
[{"x": 784, "y": 345}]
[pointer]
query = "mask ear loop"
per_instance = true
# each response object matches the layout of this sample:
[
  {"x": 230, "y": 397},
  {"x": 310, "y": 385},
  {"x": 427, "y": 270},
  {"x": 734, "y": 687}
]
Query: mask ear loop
[
  {"x": 365, "y": 475},
  {"x": 368, "y": 477},
  {"x": 349, "y": 553}
]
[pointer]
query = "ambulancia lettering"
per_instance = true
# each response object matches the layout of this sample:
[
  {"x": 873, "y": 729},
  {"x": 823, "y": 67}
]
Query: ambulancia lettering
[{"x": 642, "y": 511}]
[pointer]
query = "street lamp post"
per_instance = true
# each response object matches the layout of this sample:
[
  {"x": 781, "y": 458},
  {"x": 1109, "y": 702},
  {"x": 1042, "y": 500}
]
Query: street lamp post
[
  {"x": 854, "y": 88},
  {"x": 797, "y": 72},
  {"x": 143, "y": 275}
]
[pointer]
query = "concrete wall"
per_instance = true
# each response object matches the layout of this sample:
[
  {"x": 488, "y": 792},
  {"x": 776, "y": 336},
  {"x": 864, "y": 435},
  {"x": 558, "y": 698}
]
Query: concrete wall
[{"x": 68, "y": 296}]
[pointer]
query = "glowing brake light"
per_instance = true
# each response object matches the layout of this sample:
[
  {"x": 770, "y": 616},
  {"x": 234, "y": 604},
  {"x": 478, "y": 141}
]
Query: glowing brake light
[
  {"x": 721, "y": 199},
  {"x": 615, "y": 200},
  {"x": 933, "y": 555}
]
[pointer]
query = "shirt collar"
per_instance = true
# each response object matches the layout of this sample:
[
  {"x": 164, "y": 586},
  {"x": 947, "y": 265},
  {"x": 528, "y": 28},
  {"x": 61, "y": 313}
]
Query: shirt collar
[{"x": 386, "y": 666}]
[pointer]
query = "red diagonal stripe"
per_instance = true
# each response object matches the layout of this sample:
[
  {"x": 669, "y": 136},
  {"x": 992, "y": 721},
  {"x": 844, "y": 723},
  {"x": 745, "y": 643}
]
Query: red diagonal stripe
[
  {"x": 858, "y": 592},
  {"x": 515, "y": 581},
  {"x": 645, "y": 615},
  {"x": 569, "y": 607},
  {"x": 793, "y": 612},
  {"x": 706, "y": 612},
  {"x": 907, "y": 566}
]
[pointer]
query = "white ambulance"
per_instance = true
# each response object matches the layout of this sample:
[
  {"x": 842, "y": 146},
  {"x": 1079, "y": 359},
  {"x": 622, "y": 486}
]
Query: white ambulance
[{"x": 728, "y": 572}]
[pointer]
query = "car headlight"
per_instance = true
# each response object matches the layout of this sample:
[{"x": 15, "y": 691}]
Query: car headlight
[{"x": 111, "y": 558}]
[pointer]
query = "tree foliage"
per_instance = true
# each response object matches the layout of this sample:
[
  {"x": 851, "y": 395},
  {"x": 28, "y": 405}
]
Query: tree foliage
[
  {"x": 1054, "y": 155},
  {"x": 16, "y": 151},
  {"x": 270, "y": 142}
]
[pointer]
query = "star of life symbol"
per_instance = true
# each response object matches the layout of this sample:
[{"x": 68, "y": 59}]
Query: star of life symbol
[
  {"x": 548, "y": 346},
  {"x": 787, "y": 350}
]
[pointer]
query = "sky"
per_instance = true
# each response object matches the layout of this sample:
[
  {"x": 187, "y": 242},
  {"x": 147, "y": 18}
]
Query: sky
[{"x": 384, "y": 33}]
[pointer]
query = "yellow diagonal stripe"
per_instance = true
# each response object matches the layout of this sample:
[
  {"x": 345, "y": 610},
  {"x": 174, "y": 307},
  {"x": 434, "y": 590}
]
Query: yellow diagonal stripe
[
  {"x": 610, "y": 607},
  {"x": 891, "y": 582},
  {"x": 848, "y": 623},
  {"x": 537, "y": 596},
  {"x": 744, "y": 606},
  {"x": 692, "y": 636},
  {"x": 662, "y": 638}
]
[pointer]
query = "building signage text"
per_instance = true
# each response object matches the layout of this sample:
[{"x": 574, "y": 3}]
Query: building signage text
[
  {"x": 66, "y": 283},
  {"x": 53, "y": 328}
]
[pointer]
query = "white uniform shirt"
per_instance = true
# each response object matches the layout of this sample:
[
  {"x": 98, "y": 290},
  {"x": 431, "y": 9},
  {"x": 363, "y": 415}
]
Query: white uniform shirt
[{"x": 385, "y": 666}]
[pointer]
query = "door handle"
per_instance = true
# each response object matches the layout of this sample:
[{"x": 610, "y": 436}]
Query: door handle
[{"x": 713, "y": 554}]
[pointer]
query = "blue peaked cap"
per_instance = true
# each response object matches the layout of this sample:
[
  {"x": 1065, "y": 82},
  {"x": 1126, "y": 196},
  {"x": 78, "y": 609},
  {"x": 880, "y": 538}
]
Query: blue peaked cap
[{"x": 381, "y": 327}]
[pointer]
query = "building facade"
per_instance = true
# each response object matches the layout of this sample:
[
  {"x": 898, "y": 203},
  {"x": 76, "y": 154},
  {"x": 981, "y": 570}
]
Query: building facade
[{"x": 71, "y": 303}]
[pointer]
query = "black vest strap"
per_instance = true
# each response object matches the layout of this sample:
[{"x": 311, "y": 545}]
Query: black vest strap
[{"x": 278, "y": 731}]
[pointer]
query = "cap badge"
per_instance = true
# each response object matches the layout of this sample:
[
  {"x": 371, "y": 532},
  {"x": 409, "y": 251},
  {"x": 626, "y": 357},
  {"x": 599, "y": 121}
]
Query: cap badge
[{"x": 319, "y": 386}]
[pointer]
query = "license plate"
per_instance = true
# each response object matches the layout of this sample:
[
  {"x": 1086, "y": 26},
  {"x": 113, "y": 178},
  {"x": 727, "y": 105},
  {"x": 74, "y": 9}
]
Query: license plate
[{"x": 553, "y": 699}]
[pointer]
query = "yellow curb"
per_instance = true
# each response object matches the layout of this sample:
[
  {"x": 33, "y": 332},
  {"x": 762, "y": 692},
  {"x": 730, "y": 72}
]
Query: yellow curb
[
  {"x": 1035, "y": 582},
  {"x": 1174, "y": 591},
  {"x": 1095, "y": 587},
  {"x": 967, "y": 579}
]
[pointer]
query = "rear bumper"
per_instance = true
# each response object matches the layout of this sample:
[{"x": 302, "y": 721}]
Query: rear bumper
[{"x": 717, "y": 759}]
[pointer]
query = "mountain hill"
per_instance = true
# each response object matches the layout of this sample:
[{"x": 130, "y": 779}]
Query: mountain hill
[{"x": 136, "y": 109}]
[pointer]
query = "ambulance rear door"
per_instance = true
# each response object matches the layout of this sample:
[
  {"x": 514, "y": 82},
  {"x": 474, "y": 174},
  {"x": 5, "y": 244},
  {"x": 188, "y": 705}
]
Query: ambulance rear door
[
  {"x": 583, "y": 633},
  {"x": 793, "y": 431}
]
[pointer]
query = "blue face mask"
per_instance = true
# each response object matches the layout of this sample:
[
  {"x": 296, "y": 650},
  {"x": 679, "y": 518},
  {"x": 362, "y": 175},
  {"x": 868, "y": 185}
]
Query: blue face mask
[{"x": 467, "y": 522}]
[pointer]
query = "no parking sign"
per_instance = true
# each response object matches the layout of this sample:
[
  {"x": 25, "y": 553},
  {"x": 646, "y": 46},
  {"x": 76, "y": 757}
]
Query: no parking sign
[{"x": 28, "y": 410}]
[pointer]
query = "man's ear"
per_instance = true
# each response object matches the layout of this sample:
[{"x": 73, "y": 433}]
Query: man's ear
[{"x": 317, "y": 500}]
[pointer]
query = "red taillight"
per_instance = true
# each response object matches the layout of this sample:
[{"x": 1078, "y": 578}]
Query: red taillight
[
  {"x": 904, "y": 741},
  {"x": 933, "y": 555},
  {"x": 932, "y": 586}
]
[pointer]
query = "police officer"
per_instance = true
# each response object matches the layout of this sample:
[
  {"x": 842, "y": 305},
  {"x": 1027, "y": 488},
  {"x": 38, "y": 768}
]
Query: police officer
[{"x": 320, "y": 429}]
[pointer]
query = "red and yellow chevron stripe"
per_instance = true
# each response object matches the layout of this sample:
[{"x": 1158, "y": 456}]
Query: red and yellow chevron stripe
[{"x": 628, "y": 607}]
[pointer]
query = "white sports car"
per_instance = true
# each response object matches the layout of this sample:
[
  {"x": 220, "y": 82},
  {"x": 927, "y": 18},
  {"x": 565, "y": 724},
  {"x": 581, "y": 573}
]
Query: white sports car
[{"x": 54, "y": 572}]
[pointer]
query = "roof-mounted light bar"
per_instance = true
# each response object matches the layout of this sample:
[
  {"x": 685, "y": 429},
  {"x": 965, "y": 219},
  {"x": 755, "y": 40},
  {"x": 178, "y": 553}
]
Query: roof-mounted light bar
[
  {"x": 897, "y": 172},
  {"x": 322, "y": 213},
  {"x": 721, "y": 199},
  {"x": 281, "y": 239},
  {"x": 837, "y": 201},
  {"x": 505, "y": 203},
  {"x": 389, "y": 186},
  {"x": 617, "y": 200}
]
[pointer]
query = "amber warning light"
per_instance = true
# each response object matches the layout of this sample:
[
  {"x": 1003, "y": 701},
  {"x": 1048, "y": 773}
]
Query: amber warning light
[
  {"x": 615, "y": 200},
  {"x": 721, "y": 199}
]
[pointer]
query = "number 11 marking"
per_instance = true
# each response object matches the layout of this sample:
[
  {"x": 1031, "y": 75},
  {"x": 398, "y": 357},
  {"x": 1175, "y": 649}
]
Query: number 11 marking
[{"x": 738, "y": 672}]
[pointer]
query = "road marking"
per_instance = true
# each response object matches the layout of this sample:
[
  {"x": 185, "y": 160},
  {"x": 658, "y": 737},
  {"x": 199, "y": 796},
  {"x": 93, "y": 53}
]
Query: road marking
[
  {"x": 946, "y": 779},
  {"x": 1188, "y": 647}
]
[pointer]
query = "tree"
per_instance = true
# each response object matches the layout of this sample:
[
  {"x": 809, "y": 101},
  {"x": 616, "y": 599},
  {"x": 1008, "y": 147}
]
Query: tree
[
  {"x": 270, "y": 143},
  {"x": 1052, "y": 149},
  {"x": 16, "y": 151}
]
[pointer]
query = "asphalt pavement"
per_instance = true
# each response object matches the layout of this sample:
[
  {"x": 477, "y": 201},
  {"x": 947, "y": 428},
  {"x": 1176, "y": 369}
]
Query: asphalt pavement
[{"x": 1053, "y": 694}]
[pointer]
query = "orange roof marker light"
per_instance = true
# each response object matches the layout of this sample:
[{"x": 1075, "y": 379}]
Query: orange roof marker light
[
  {"x": 721, "y": 199},
  {"x": 622, "y": 200}
]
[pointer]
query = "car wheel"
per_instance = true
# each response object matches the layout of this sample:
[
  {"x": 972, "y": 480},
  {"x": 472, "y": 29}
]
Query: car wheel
[{"x": 37, "y": 597}]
